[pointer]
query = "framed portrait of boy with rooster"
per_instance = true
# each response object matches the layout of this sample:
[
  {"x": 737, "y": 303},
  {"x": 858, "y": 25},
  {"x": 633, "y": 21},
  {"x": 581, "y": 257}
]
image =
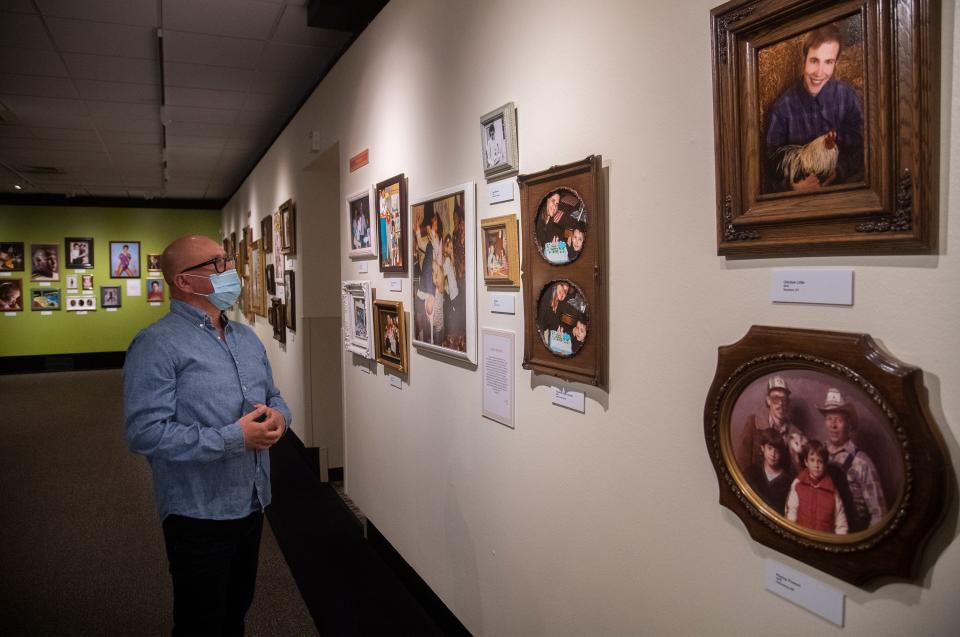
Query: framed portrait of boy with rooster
[{"x": 824, "y": 126}]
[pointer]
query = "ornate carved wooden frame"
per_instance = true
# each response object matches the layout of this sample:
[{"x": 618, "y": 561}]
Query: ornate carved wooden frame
[{"x": 892, "y": 209}]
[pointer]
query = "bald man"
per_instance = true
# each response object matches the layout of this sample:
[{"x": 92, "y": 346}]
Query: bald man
[{"x": 201, "y": 405}]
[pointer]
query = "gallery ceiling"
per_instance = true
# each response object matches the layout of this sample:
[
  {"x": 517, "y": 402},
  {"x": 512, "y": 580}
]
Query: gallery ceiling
[{"x": 160, "y": 100}]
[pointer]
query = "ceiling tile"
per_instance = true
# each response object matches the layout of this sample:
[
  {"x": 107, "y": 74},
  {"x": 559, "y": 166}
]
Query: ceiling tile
[
  {"x": 31, "y": 62},
  {"x": 153, "y": 137},
  {"x": 106, "y": 123},
  {"x": 29, "y": 109},
  {"x": 293, "y": 29},
  {"x": 193, "y": 114},
  {"x": 206, "y": 76},
  {"x": 48, "y": 144},
  {"x": 101, "y": 190},
  {"x": 119, "y": 92},
  {"x": 99, "y": 38},
  {"x": 200, "y": 129},
  {"x": 210, "y": 49},
  {"x": 193, "y": 141},
  {"x": 119, "y": 149},
  {"x": 124, "y": 110},
  {"x": 236, "y": 18},
  {"x": 277, "y": 55},
  {"x": 17, "y": 6},
  {"x": 178, "y": 96},
  {"x": 135, "y": 12},
  {"x": 22, "y": 30},
  {"x": 289, "y": 81},
  {"x": 280, "y": 104},
  {"x": 37, "y": 86},
  {"x": 14, "y": 131},
  {"x": 259, "y": 119},
  {"x": 109, "y": 68}
]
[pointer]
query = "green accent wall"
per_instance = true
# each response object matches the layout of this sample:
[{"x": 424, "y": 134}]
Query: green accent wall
[{"x": 30, "y": 333}]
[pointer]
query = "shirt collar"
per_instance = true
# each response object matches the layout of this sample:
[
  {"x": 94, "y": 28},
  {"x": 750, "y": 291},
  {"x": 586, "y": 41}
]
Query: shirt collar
[
  {"x": 194, "y": 314},
  {"x": 848, "y": 446}
]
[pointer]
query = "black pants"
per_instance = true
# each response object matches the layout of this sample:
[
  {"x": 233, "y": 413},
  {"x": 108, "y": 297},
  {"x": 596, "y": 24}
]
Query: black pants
[{"x": 213, "y": 564}]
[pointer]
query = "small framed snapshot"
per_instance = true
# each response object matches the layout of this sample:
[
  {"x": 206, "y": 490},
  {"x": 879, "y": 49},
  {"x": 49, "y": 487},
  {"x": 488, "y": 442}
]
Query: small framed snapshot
[
  {"x": 153, "y": 261},
  {"x": 391, "y": 334},
  {"x": 391, "y": 200},
  {"x": 11, "y": 295},
  {"x": 288, "y": 227},
  {"x": 501, "y": 251},
  {"x": 79, "y": 252},
  {"x": 361, "y": 220},
  {"x": 11, "y": 256},
  {"x": 275, "y": 316},
  {"x": 258, "y": 291},
  {"x": 45, "y": 258},
  {"x": 155, "y": 290},
  {"x": 110, "y": 296},
  {"x": 44, "y": 299},
  {"x": 825, "y": 448},
  {"x": 290, "y": 298},
  {"x": 270, "y": 279},
  {"x": 444, "y": 282},
  {"x": 75, "y": 303},
  {"x": 266, "y": 233},
  {"x": 498, "y": 142},
  {"x": 357, "y": 318},
  {"x": 124, "y": 259},
  {"x": 73, "y": 281},
  {"x": 86, "y": 282}
]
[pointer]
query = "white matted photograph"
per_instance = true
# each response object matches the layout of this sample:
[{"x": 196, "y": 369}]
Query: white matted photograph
[
  {"x": 357, "y": 317},
  {"x": 498, "y": 142},
  {"x": 362, "y": 224}
]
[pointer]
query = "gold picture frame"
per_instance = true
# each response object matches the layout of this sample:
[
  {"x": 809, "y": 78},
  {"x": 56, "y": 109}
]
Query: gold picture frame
[
  {"x": 391, "y": 335},
  {"x": 501, "y": 251}
]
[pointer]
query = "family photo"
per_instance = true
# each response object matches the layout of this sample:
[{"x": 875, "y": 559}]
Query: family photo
[
  {"x": 563, "y": 318},
  {"x": 561, "y": 226},
  {"x": 816, "y": 451},
  {"x": 439, "y": 273},
  {"x": 496, "y": 263},
  {"x": 79, "y": 253},
  {"x": 390, "y": 212}
]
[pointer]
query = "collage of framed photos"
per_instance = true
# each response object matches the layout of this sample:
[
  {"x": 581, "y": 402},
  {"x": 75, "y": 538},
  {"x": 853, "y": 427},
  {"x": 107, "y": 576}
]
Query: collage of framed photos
[
  {"x": 269, "y": 283},
  {"x": 49, "y": 269}
]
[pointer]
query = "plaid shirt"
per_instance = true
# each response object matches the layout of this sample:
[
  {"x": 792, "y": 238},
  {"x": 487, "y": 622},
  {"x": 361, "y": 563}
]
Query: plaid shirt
[
  {"x": 864, "y": 481},
  {"x": 798, "y": 117}
]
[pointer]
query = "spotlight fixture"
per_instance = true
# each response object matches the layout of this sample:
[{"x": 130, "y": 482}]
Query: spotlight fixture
[{"x": 17, "y": 187}]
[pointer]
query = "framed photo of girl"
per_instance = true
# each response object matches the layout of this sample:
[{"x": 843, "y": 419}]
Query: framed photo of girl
[
  {"x": 391, "y": 202},
  {"x": 824, "y": 448},
  {"x": 498, "y": 142},
  {"x": 391, "y": 334},
  {"x": 810, "y": 101},
  {"x": 124, "y": 259},
  {"x": 501, "y": 251},
  {"x": 360, "y": 220}
]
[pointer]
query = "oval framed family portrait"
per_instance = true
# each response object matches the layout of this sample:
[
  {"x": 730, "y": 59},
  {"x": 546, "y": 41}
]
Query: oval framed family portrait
[
  {"x": 561, "y": 226},
  {"x": 563, "y": 317},
  {"x": 825, "y": 451}
]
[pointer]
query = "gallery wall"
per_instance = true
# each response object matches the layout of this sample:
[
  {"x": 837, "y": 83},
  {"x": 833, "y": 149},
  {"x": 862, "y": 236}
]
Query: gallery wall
[
  {"x": 28, "y": 333},
  {"x": 605, "y": 522}
]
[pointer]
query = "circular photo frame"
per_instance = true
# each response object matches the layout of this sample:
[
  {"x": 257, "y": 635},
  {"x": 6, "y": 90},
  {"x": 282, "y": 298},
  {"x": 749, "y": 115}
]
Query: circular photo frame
[
  {"x": 560, "y": 232},
  {"x": 563, "y": 318}
]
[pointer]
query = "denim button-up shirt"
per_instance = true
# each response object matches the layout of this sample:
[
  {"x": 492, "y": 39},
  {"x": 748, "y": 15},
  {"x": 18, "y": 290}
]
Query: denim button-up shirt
[{"x": 184, "y": 390}]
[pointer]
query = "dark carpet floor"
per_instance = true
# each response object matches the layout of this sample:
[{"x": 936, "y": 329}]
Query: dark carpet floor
[{"x": 81, "y": 551}]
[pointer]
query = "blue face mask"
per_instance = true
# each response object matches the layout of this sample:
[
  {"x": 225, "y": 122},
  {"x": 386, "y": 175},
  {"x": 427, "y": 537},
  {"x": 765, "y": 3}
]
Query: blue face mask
[{"x": 226, "y": 289}]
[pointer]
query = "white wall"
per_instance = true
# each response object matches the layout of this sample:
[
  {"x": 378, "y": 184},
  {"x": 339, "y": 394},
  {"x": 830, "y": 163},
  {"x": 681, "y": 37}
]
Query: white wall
[{"x": 604, "y": 523}]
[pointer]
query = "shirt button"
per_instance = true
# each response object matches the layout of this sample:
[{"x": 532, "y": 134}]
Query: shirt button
[{"x": 244, "y": 388}]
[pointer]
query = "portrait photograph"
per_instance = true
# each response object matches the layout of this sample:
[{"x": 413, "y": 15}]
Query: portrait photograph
[
  {"x": 288, "y": 227},
  {"x": 563, "y": 318},
  {"x": 290, "y": 299},
  {"x": 86, "y": 282},
  {"x": 360, "y": 218},
  {"x": 44, "y": 299},
  {"x": 391, "y": 200},
  {"x": 73, "y": 281},
  {"x": 357, "y": 317},
  {"x": 45, "y": 259},
  {"x": 266, "y": 233},
  {"x": 11, "y": 256},
  {"x": 110, "y": 296},
  {"x": 501, "y": 252},
  {"x": 155, "y": 290},
  {"x": 443, "y": 285},
  {"x": 124, "y": 259},
  {"x": 11, "y": 295},
  {"x": 79, "y": 253},
  {"x": 391, "y": 340},
  {"x": 270, "y": 278},
  {"x": 153, "y": 260},
  {"x": 561, "y": 226},
  {"x": 498, "y": 142},
  {"x": 360, "y": 319}
]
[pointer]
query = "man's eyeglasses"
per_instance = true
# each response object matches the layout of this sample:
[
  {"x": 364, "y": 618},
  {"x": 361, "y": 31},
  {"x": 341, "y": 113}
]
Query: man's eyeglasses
[{"x": 220, "y": 264}]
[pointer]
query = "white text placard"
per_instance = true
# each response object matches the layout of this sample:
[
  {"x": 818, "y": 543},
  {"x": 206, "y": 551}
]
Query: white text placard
[
  {"x": 500, "y": 191},
  {"x": 498, "y": 351},
  {"x": 804, "y": 591},
  {"x": 396, "y": 285},
  {"x": 395, "y": 381},
  {"x": 133, "y": 287},
  {"x": 503, "y": 303},
  {"x": 570, "y": 399},
  {"x": 832, "y": 287},
  {"x": 363, "y": 267}
]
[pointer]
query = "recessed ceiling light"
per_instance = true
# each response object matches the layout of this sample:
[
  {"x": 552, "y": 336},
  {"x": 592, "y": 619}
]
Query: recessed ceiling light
[{"x": 18, "y": 186}]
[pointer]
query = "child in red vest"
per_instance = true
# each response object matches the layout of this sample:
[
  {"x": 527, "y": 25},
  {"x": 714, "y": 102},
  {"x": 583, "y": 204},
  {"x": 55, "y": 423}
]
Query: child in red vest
[{"x": 813, "y": 502}]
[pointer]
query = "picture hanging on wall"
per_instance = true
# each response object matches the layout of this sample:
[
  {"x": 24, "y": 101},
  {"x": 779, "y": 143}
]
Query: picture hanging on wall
[
  {"x": 155, "y": 291},
  {"x": 86, "y": 282},
  {"x": 391, "y": 201},
  {"x": 79, "y": 252},
  {"x": 11, "y": 295},
  {"x": 153, "y": 261},
  {"x": 498, "y": 142},
  {"x": 290, "y": 299},
  {"x": 73, "y": 281},
  {"x": 11, "y": 256},
  {"x": 80, "y": 303},
  {"x": 444, "y": 283},
  {"x": 361, "y": 220},
  {"x": 270, "y": 279},
  {"x": 279, "y": 260},
  {"x": 501, "y": 251},
  {"x": 357, "y": 317},
  {"x": 45, "y": 260},
  {"x": 44, "y": 299},
  {"x": 110, "y": 296},
  {"x": 824, "y": 447},
  {"x": 391, "y": 334},
  {"x": 258, "y": 292},
  {"x": 266, "y": 233},
  {"x": 288, "y": 227},
  {"x": 124, "y": 259},
  {"x": 563, "y": 215},
  {"x": 848, "y": 181},
  {"x": 276, "y": 318}
]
